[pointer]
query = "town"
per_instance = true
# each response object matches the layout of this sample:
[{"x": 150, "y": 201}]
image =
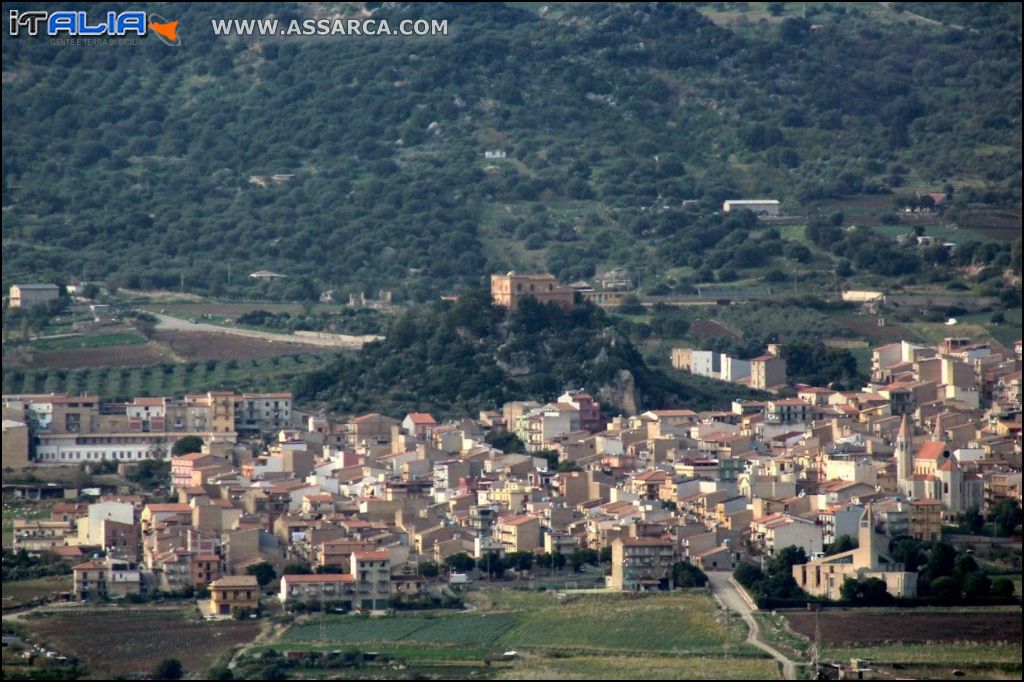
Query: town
[
  {"x": 570, "y": 341},
  {"x": 249, "y": 504}
]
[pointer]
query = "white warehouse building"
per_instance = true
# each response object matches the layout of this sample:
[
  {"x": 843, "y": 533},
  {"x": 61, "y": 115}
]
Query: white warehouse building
[{"x": 768, "y": 207}]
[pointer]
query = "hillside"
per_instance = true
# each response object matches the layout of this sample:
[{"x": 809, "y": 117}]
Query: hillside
[
  {"x": 358, "y": 162},
  {"x": 459, "y": 358}
]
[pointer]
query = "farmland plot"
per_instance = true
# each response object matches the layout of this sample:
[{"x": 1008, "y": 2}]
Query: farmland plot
[{"x": 122, "y": 640}]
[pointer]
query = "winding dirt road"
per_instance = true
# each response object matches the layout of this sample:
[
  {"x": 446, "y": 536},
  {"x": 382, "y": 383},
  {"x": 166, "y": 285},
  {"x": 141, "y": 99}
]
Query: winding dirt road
[{"x": 729, "y": 596}]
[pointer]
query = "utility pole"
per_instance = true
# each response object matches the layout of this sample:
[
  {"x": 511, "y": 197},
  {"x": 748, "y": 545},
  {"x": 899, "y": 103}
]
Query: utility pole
[
  {"x": 727, "y": 614},
  {"x": 815, "y": 651},
  {"x": 323, "y": 629}
]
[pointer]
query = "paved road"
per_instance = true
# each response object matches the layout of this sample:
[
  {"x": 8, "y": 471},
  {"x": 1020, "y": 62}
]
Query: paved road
[
  {"x": 728, "y": 594},
  {"x": 176, "y": 324}
]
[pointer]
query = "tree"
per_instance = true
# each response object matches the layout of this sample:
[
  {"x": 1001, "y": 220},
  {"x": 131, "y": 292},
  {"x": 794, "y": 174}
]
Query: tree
[
  {"x": 169, "y": 669},
  {"x": 685, "y": 574},
  {"x": 520, "y": 561},
  {"x": 908, "y": 552},
  {"x": 506, "y": 441},
  {"x": 794, "y": 30},
  {"x": 977, "y": 584},
  {"x": 843, "y": 543},
  {"x": 786, "y": 559},
  {"x": 296, "y": 569},
  {"x": 1007, "y": 516},
  {"x": 631, "y": 305},
  {"x": 460, "y": 563},
  {"x": 149, "y": 473},
  {"x": 869, "y": 592},
  {"x": 186, "y": 445},
  {"x": 1003, "y": 588},
  {"x": 553, "y": 560},
  {"x": 145, "y": 324},
  {"x": 429, "y": 569},
  {"x": 492, "y": 564},
  {"x": 748, "y": 575},
  {"x": 946, "y": 589},
  {"x": 263, "y": 571},
  {"x": 965, "y": 565},
  {"x": 974, "y": 520}
]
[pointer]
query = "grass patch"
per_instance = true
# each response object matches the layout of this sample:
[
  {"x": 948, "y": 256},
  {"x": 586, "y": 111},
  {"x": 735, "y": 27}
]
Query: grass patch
[
  {"x": 645, "y": 668},
  {"x": 90, "y": 341},
  {"x": 468, "y": 629},
  {"x": 18, "y": 592},
  {"x": 960, "y": 653},
  {"x": 676, "y": 623}
]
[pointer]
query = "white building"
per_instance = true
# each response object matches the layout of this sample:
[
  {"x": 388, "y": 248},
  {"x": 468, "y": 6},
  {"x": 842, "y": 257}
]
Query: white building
[{"x": 757, "y": 206}]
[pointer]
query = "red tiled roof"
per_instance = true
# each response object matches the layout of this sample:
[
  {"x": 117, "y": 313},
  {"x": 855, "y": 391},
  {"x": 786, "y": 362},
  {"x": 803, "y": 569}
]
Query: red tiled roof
[
  {"x": 235, "y": 581},
  {"x": 931, "y": 450},
  {"x": 190, "y": 457},
  {"x": 169, "y": 507},
  {"x": 518, "y": 520},
  {"x": 651, "y": 476},
  {"x": 91, "y": 565}
]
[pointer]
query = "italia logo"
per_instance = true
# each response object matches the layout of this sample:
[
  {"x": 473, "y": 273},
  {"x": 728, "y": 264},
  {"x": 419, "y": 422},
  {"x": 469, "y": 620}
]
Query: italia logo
[{"x": 79, "y": 25}]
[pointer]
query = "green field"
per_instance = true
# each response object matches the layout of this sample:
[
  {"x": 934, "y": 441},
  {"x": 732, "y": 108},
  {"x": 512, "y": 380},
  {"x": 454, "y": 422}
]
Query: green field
[
  {"x": 677, "y": 623},
  {"x": 643, "y": 668},
  {"x": 90, "y": 341},
  {"x": 1006, "y": 332},
  {"x": 476, "y": 629},
  {"x": 17, "y": 592},
  {"x": 575, "y": 635},
  {"x": 122, "y": 383}
]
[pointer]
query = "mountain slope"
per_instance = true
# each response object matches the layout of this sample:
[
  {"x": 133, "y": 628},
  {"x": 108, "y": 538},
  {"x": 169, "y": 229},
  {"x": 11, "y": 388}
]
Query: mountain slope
[{"x": 145, "y": 165}]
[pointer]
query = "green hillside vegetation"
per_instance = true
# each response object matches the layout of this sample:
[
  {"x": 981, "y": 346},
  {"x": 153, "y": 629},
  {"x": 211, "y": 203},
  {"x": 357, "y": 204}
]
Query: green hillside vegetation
[
  {"x": 458, "y": 358},
  {"x": 358, "y": 163}
]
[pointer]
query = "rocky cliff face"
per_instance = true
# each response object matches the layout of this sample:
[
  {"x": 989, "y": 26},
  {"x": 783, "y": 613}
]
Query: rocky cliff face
[{"x": 621, "y": 392}]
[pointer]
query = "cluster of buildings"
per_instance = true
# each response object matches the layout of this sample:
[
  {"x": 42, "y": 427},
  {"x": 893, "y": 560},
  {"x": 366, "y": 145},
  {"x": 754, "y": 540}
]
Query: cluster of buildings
[
  {"x": 765, "y": 372},
  {"x": 608, "y": 289},
  {"x": 55, "y": 429},
  {"x": 366, "y": 501}
]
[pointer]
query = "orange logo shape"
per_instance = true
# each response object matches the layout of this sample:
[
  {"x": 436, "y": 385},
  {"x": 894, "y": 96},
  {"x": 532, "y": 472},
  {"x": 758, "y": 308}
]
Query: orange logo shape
[{"x": 167, "y": 30}]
